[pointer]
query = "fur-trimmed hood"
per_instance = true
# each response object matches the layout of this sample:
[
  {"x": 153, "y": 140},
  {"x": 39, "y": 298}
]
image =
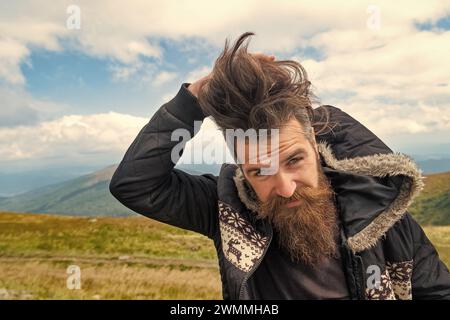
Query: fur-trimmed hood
[{"x": 373, "y": 192}]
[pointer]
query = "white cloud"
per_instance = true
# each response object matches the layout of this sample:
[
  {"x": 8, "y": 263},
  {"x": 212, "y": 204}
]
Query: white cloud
[
  {"x": 125, "y": 33},
  {"x": 144, "y": 71},
  {"x": 20, "y": 108},
  {"x": 12, "y": 54},
  {"x": 163, "y": 77},
  {"x": 390, "y": 120},
  {"x": 35, "y": 27},
  {"x": 79, "y": 136},
  {"x": 396, "y": 75},
  {"x": 197, "y": 74},
  {"x": 397, "y": 69},
  {"x": 70, "y": 136},
  {"x": 392, "y": 83}
]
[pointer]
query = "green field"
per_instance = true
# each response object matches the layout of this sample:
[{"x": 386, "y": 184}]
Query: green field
[{"x": 119, "y": 258}]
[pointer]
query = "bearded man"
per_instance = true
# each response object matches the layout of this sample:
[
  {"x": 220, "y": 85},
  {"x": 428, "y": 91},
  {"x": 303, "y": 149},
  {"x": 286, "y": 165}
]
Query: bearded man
[{"x": 328, "y": 221}]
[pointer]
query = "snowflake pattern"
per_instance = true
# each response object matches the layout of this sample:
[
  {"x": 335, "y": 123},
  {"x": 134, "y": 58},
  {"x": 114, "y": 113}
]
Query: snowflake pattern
[
  {"x": 233, "y": 219},
  {"x": 395, "y": 282},
  {"x": 242, "y": 244}
]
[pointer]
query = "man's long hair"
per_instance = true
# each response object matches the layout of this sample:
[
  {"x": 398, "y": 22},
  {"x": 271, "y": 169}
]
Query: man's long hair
[{"x": 245, "y": 92}]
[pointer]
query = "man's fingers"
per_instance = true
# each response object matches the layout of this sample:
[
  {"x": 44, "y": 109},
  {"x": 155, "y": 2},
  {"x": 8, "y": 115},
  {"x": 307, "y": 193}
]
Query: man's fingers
[{"x": 263, "y": 56}]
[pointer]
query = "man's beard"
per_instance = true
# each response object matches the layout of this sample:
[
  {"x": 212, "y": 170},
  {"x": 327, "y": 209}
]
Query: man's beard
[{"x": 307, "y": 232}]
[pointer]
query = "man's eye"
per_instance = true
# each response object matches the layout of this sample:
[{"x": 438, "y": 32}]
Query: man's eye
[
  {"x": 294, "y": 161},
  {"x": 258, "y": 174}
]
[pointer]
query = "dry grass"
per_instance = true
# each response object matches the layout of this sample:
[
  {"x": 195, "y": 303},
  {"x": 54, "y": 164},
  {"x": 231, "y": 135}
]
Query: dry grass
[
  {"x": 440, "y": 237},
  {"x": 46, "y": 279},
  {"x": 119, "y": 258}
]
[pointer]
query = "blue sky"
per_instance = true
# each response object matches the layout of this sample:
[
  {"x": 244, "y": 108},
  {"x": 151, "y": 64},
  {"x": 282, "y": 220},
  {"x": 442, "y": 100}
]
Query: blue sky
[
  {"x": 79, "y": 96},
  {"x": 88, "y": 85}
]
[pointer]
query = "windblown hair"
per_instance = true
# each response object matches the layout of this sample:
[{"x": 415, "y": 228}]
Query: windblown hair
[{"x": 245, "y": 92}]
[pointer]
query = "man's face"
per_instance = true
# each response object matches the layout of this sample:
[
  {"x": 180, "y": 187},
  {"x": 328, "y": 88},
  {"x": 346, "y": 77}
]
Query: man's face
[
  {"x": 297, "y": 167},
  {"x": 297, "y": 198}
]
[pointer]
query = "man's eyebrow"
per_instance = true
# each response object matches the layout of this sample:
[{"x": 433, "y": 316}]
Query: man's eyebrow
[
  {"x": 291, "y": 155},
  {"x": 252, "y": 169},
  {"x": 294, "y": 153}
]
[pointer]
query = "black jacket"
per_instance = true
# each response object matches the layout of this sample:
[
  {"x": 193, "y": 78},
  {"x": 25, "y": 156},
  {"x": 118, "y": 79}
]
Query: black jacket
[{"x": 373, "y": 187}]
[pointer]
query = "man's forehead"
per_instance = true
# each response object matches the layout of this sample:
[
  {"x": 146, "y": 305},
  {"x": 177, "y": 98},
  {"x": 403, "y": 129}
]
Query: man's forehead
[
  {"x": 264, "y": 145},
  {"x": 258, "y": 152}
]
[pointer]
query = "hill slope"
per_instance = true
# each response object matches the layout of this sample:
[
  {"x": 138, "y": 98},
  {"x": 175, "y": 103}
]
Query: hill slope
[
  {"x": 86, "y": 195},
  {"x": 433, "y": 205},
  {"x": 89, "y": 195}
]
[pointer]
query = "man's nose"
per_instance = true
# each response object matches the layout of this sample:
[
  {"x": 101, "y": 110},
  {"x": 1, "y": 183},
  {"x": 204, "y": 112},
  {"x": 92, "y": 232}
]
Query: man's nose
[{"x": 285, "y": 186}]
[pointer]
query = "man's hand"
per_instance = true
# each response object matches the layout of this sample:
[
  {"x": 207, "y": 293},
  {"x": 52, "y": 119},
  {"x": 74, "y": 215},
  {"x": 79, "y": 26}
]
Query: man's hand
[{"x": 196, "y": 86}]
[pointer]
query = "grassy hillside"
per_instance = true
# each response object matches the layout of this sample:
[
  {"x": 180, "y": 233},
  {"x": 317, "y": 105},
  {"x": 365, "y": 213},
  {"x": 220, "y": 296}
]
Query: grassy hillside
[
  {"x": 119, "y": 258},
  {"x": 433, "y": 205}
]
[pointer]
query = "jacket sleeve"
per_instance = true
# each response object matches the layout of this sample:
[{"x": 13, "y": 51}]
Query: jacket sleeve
[
  {"x": 430, "y": 277},
  {"x": 147, "y": 182}
]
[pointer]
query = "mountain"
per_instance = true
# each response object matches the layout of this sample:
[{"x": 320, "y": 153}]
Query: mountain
[
  {"x": 434, "y": 165},
  {"x": 14, "y": 183},
  {"x": 87, "y": 195},
  {"x": 432, "y": 207}
]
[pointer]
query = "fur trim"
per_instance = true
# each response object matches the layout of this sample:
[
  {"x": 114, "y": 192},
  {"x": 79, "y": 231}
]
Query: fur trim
[
  {"x": 379, "y": 165},
  {"x": 245, "y": 192}
]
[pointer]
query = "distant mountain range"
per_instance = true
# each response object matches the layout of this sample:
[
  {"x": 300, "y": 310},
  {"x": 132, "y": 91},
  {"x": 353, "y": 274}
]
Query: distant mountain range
[
  {"x": 89, "y": 195},
  {"x": 434, "y": 165},
  {"x": 85, "y": 195},
  {"x": 16, "y": 183}
]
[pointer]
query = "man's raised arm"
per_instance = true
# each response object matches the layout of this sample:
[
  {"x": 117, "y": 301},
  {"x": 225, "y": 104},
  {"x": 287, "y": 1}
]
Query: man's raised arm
[{"x": 146, "y": 181}]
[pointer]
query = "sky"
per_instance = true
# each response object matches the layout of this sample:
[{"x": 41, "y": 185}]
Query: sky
[{"x": 79, "y": 79}]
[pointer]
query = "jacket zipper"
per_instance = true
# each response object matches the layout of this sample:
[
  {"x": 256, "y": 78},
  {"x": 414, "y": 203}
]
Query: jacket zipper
[{"x": 360, "y": 277}]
